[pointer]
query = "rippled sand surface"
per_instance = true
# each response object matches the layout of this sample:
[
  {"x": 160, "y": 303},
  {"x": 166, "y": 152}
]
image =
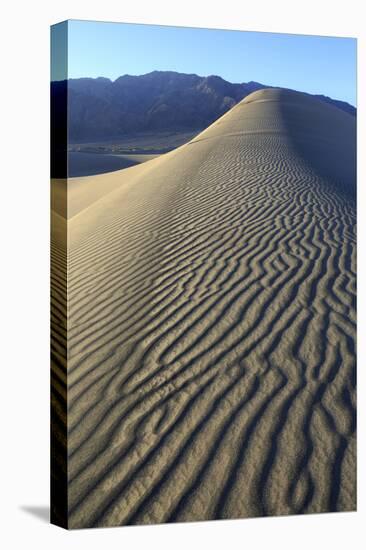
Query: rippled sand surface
[{"x": 211, "y": 323}]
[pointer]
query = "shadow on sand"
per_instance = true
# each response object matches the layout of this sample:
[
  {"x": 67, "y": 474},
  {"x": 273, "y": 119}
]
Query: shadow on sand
[{"x": 323, "y": 136}]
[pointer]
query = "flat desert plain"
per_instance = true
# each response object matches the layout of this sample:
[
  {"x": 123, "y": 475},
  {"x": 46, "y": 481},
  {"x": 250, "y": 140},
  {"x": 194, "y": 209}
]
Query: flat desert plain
[{"x": 209, "y": 369}]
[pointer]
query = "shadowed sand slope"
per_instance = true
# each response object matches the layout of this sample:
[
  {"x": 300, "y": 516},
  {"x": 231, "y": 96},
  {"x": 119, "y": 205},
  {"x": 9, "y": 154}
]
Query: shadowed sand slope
[{"x": 211, "y": 323}]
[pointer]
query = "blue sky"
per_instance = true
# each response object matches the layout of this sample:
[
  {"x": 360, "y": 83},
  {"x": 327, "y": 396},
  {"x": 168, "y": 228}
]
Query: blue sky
[{"x": 313, "y": 64}]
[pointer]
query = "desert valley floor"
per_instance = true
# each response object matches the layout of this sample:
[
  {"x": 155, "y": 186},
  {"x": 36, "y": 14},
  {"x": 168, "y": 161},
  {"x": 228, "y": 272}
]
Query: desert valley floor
[{"x": 209, "y": 368}]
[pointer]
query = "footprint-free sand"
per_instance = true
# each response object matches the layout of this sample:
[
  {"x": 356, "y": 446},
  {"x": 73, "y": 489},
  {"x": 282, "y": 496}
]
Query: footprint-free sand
[{"x": 210, "y": 316}]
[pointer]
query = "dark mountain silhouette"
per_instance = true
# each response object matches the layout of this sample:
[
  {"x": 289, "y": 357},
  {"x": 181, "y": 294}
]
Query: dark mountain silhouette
[{"x": 100, "y": 109}]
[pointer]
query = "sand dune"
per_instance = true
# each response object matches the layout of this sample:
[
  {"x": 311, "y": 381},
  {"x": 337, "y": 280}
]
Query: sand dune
[
  {"x": 211, "y": 323},
  {"x": 83, "y": 164}
]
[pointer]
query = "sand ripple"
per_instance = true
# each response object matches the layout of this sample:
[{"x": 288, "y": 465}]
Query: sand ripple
[{"x": 211, "y": 325}]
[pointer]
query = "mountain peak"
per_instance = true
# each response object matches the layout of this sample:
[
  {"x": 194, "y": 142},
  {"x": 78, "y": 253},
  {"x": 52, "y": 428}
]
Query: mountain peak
[{"x": 159, "y": 100}]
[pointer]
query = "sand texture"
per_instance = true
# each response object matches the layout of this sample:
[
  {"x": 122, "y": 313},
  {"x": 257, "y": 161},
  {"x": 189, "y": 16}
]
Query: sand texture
[{"x": 211, "y": 323}]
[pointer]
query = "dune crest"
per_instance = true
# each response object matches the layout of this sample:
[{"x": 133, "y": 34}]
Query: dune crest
[{"x": 211, "y": 323}]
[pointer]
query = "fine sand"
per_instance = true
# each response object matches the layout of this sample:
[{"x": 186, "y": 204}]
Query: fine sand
[
  {"x": 211, "y": 323},
  {"x": 85, "y": 164}
]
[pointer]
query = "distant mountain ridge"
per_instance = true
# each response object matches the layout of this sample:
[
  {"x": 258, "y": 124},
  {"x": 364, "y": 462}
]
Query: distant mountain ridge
[{"x": 102, "y": 109}]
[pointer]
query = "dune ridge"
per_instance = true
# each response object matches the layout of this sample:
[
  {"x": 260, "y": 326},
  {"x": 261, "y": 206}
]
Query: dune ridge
[{"x": 211, "y": 323}]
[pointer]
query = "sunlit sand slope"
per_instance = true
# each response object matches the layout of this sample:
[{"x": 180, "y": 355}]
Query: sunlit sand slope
[{"x": 211, "y": 323}]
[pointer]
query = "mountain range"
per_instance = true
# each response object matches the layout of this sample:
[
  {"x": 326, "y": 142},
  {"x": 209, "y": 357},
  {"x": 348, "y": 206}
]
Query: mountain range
[{"x": 101, "y": 109}]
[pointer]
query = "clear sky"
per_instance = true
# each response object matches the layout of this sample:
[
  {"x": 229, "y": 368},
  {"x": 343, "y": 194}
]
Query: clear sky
[{"x": 314, "y": 64}]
